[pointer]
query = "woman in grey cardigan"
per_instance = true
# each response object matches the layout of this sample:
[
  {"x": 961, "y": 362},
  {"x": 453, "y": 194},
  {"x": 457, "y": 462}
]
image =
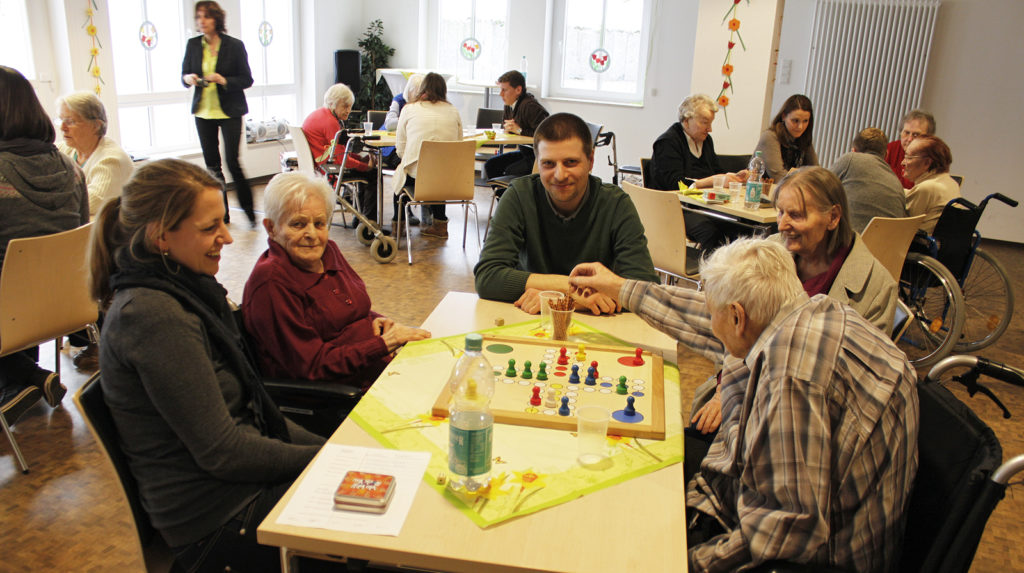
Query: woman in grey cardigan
[{"x": 210, "y": 451}]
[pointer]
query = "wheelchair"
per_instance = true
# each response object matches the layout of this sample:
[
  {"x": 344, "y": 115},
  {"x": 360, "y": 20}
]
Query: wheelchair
[{"x": 954, "y": 295}]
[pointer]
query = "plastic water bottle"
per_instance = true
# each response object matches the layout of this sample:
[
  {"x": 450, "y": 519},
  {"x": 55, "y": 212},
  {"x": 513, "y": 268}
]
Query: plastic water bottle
[
  {"x": 470, "y": 422},
  {"x": 755, "y": 172},
  {"x": 523, "y": 65}
]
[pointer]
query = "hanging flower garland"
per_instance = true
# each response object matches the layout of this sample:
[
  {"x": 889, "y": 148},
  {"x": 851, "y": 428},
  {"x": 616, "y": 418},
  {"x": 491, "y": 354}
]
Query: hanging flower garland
[
  {"x": 94, "y": 51},
  {"x": 727, "y": 69}
]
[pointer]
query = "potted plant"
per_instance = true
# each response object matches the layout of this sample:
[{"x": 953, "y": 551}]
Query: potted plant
[{"x": 375, "y": 55}]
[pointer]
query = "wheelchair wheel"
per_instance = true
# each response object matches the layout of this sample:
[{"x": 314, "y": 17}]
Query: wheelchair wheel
[
  {"x": 988, "y": 303},
  {"x": 365, "y": 235},
  {"x": 936, "y": 306},
  {"x": 383, "y": 250}
]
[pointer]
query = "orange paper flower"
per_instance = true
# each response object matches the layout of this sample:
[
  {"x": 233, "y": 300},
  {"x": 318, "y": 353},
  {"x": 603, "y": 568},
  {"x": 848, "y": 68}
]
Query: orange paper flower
[
  {"x": 727, "y": 70},
  {"x": 723, "y": 101},
  {"x": 734, "y": 24}
]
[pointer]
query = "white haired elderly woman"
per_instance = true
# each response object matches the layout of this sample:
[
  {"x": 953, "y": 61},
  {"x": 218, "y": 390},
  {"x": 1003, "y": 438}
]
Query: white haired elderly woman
[
  {"x": 817, "y": 452},
  {"x": 685, "y": 154},
  {"x": 306, "y": 309},
  {"x": 83, "y": 124},
  {"x": 408, "y": 95},
  {"x": 322, "y": 125}
]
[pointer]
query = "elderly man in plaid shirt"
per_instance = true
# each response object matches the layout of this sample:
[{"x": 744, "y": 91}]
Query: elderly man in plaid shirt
[{"x": 817, "y": 450}]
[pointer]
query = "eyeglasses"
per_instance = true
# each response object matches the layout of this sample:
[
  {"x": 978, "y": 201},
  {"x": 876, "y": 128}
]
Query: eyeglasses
[
  {"x": 911, "y": 134},
  {"x": 913, "y": 157},
  {"x": 67, "y": 121}
]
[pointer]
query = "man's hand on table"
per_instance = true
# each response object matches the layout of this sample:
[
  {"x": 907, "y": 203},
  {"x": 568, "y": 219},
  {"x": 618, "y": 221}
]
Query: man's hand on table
[
  {"x": 512, "y": 127},
  {"x": 530, "y": 301},
  {"x": 593, "y": 301}
]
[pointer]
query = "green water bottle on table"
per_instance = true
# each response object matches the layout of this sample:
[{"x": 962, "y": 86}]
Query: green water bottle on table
[{"x": 470, "y": 421}]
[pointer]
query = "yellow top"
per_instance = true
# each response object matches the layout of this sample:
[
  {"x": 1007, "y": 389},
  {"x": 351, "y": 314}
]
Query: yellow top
[{"x": 209, "y": 102}]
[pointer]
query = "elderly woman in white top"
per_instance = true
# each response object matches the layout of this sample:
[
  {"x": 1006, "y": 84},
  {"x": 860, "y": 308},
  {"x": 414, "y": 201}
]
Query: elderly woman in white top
[
  {"x": 927, "y": 165},
  {"x": 83, "y": 124},
  {"x": 429, "y": 118}
]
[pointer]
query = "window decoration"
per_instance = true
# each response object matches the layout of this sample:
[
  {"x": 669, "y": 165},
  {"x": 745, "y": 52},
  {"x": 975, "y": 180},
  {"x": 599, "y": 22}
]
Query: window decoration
[
  {"x": 266, "y": 33},
  {"x": 94, "y": 50},
  {"x": 148, "y": 36},
  {"x": 732, "y": 14},
  {"x": 470, "y": 49},
  {"x": 599, "y": 60}
]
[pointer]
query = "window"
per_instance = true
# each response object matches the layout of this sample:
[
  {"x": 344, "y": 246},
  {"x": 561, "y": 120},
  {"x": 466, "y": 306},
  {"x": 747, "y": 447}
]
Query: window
[
  {"x": 599, "y": 49},
  {"x": 472, "y": 39},
  {"x": 14, "y": 42},
  {"x": 268, "y": 30},
  {"x": 148, "y": 38}
]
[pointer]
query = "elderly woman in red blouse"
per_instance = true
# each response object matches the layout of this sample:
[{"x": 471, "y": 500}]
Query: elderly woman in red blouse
[{"x": 305, "y": 307}]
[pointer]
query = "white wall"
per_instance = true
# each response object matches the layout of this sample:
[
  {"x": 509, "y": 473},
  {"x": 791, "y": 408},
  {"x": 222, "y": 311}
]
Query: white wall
[{"x": 971, "y": 86}]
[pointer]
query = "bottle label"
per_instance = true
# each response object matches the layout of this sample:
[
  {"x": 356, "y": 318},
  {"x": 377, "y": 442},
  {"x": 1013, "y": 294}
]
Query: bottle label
[
  {"x": 469, "y": 451},
  {"x": 753, "y": 192}
]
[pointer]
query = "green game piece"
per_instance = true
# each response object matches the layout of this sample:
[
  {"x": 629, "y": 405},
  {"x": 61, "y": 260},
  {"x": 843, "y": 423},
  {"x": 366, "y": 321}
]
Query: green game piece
[
  {"x": 621, "y": 388},
  {"x": 527, "y": 373},
  {"x": 511, "y": 372},
  {"x": 542, "y": 371}
]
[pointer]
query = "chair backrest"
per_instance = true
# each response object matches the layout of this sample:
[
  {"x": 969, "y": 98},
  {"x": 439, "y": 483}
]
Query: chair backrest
[
  {"x": 302, "y": 151},
  {"x": 733, "y": 163},
  {"x": 377, "y": 117},
  {"x": 485, "y": 117},
  {"x": 889, "y": 239},
  {"x": 645, "y": 172},
  {"x": 44, "y": 289},
  {"x": 954, "y": 233},
  {"x": 94, "y": 410},
  {"x": 446, "y": 170},
  {"x": 662, "y": 217},
  {"x": 959, "y": 179},
  {"x": 957, "y": 454},
  {"x": 595, "y": 130}
]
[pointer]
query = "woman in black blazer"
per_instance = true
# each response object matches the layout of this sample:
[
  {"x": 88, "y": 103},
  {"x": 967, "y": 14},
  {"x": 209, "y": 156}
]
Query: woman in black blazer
[{"x": 218, "y": 66}]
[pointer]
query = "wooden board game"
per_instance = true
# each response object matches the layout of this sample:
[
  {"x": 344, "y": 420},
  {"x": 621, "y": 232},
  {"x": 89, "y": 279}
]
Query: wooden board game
[{"x": 513, "y": 393}]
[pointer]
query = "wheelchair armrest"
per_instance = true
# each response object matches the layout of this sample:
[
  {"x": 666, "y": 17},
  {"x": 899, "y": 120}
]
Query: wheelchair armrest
[
  {"x": 777, "y": 566},
  {"x": 316, "y": 389}
]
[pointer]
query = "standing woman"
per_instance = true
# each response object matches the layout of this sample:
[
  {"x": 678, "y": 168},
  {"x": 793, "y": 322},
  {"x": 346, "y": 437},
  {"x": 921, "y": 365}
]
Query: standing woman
[
  {"x": 218, "y": 66},
  {"x": 787, "y": 144}
]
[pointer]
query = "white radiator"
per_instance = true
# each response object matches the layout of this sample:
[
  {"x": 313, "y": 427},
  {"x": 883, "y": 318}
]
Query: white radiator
[{"x": 867, "y": 66}]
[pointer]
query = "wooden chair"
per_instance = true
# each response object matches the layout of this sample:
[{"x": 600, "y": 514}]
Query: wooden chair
[
  {"x": 889, "y": 240},
  {"x": 44, "y": 295},
  {"x": 444, "y": 175},
  {"x": 662, "y": 216},
  {"x": 94, "y": 410}
]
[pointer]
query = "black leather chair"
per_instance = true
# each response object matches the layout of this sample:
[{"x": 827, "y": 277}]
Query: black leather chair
[{"x": 89, "y": 400}]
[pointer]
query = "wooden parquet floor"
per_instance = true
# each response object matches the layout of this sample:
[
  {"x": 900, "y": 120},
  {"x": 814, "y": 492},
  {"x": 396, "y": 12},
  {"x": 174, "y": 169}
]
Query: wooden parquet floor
[{"x": 69, "y": 514}]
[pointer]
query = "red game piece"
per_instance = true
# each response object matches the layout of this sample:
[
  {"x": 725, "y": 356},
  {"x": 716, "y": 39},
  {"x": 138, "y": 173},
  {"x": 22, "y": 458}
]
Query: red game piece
[
  {"x": 594, "y": 364},
  {"x": 562, "y": 357},
  {"x": 638, "y": 361},
  {"x": 535, "y": 400}
]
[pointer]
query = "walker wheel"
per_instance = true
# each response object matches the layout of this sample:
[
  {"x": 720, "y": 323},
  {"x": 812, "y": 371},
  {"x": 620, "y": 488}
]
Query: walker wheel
[
  {"x": 364, "y": 234},
  {"x": 383, "y": 250}
]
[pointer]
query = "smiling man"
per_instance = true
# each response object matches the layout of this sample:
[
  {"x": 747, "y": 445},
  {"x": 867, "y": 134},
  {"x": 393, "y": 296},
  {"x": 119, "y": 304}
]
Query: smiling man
[
  {"x": 548, "y": 222},
  {"x": 915, "y": 124}
]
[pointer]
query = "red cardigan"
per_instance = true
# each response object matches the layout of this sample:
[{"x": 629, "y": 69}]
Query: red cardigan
[
  {"x": 320, "y": 128},
  {"x": 312, "y": 326}
]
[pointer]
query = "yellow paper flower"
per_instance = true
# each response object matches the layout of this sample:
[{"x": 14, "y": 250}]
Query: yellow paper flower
[
  {"x": 727, "y": 70},
  {"x": 95, "y": 71},
  {"x": 734, "y": 24},
  {"x": 96, "y": 89},
  {"x": 493, "y": 489},
  {"x": 529, "y": 478},
  {"x": 88, "y": 12},
  {"x": 94, "y": 51},
  {"x": 723, "y": 101},
  {"x": 614, "y": 440},
  {"x": 91, "y": 30}
]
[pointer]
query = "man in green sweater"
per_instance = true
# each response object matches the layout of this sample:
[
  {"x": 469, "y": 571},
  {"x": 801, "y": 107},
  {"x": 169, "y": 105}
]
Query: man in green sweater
[{"x": 548, "y": 222}]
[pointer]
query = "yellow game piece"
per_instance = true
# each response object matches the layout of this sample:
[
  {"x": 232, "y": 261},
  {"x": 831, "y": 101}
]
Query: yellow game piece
[{"x": 580, "y": 354}]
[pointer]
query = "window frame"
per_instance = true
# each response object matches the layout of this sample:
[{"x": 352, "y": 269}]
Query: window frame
[{"x": 435, "y": 41}]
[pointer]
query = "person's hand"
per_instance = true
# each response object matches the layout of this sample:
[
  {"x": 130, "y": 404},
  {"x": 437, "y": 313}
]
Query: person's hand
[
  {"x": 530, "y": 301},
  {"x": 190, "y": 79},
  {"x": 598, "y": 303},
  {"x": 382, "y": 324},
  {"x": 399, "y": 334},
  {"x": 740, "y": 177},
  {"x": 709, "y": 417},
  {"x": 216, "y": 78},
  {"x": 596, "y": 277},
  {"x": 512, "y": 127}
]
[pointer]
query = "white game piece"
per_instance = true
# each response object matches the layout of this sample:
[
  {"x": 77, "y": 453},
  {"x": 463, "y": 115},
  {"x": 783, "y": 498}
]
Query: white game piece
[{"x": 551, "y": 401}]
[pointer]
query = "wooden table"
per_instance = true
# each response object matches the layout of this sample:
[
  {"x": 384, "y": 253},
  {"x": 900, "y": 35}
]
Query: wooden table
[
  {"x": 733, "y": 211},
  {"x": 637, "y": 525}
]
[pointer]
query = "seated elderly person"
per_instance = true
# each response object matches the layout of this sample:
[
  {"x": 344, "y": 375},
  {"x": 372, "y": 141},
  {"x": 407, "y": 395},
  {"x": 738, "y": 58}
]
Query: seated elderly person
[
  {"x": 830, "y": 257},
  {"x": 817, "y": 453},
  {"x": 927, "y": 165},
  {"x": 306, "y": 309},
  {"x": 685, "y": 154},
  {"x": 872, "y": 189},
  {"x": 83, "y": 125},
  {"x": 320, "y": 128}
]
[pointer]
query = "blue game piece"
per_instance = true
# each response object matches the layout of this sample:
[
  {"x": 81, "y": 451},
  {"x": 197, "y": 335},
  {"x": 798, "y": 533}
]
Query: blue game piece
[
  {"x": 574, "y": 378},
  {"x": 590, "y": 381},
  {"x": 563, "y": 410},
  {"x": 629, "y": 410}
]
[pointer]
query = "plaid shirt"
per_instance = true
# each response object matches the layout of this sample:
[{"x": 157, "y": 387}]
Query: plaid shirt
[{"x": 817, "y": 451}]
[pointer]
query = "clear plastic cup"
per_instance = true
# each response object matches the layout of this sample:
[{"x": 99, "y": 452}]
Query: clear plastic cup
[
  {"x": 592, "y": 431},
  {"x": 546, "y": 297},
  {"x": 367, "y": 126}
]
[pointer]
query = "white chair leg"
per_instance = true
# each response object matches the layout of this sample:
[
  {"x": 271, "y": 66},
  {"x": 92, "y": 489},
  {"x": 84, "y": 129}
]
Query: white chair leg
[
  {"x": 14, "y": 445},
  {"x": 408, "y": 233},
  {"x": 476, "y": 221},
  {"x": 465, "y": 224}
]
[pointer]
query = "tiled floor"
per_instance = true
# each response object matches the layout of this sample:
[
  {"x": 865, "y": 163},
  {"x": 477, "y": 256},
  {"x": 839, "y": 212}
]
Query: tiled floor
[{"x": 68, "y": 514}]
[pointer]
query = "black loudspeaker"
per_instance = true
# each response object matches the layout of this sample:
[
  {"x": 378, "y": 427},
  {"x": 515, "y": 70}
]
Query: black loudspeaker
[{"x": 347, "y": 68}]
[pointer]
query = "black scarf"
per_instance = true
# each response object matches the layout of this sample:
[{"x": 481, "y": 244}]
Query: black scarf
[{"x": 206, "y": 298}]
